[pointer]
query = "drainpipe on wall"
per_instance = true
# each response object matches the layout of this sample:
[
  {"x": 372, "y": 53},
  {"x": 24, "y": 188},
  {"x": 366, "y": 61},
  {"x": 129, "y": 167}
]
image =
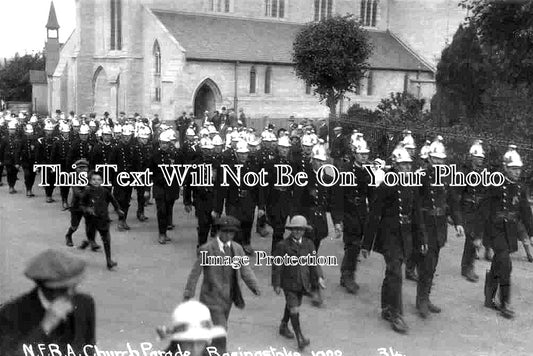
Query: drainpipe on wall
[{"x": 236, "y": 96}]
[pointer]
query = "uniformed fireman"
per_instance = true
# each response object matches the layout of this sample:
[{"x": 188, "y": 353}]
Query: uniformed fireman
[
  {"x": 142, "y": 156},
  {"x": 395, "y": 229},
  {"x": 350, "y": 209},
  {"x": 504, "y": 207},
  {"x": 103, "y": 149},
  {"x": 28, "y": 157},
  {"x": 238, "y": 200},
  {"x": 164, "y": 194},
  {"x": 436, "y": 203},
  {"x": 470, "y": 198},
  {"x": 81, "y": 148},
  {"x": 60, "y": 152},
  {"x": 44, "y": 156},
  {"x": 9, "y": 155},
  {"x": 122, "y": 156},
  {"x": 276, "y": 200}
]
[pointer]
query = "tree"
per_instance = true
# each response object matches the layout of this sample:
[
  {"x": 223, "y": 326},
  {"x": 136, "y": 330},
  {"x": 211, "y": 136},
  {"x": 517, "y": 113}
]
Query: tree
[
  {"x": 15, "y": 76},
  {"x": 402, "y": 109},
  {"x": 463, "y": 75},
  {"x": 505, "y": 30},
  {"x": 330, "y": 55}
]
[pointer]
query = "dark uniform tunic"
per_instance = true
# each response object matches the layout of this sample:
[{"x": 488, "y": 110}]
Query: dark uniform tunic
[
  {"x": 504, "y": 208},
  {"x": 350, "y": 206},
  {"x": 395, "y": 229},
  {"x": 60, "y": 152},
  {"x": 470, "y": 198},
  {"x": 437, "y": 203},
  {"x": 142, "y": 156},
  {"x": 44, "y": 156},
  {"x": 202, "y": 197},
  {"x": 122, "y": 156},
  {"x": 28, "y": 157},
  {"x": 9, "y": 157}
]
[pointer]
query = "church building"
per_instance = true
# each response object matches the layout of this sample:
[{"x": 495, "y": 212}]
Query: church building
[{"x": 165, "y": 57}]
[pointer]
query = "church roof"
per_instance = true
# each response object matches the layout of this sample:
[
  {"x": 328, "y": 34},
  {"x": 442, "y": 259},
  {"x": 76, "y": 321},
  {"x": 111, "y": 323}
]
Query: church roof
[
  {"x": 52, "y": 23},
  {"x": 225, "y": 38},
  {"x": 37, "y": 77}
]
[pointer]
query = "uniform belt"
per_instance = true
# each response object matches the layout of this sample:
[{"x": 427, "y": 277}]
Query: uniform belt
[
  {"x": 506, "y": 215},
  {"x": 281, "y": 189},
  {"x": 356, "y": 200},
  {"x": 435, "y": 211},
  {"x": 404, "y": 219},
  {"x": 474, "y": 201}
]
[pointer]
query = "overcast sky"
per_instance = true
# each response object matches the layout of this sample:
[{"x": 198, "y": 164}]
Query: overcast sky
[{"x": 23, "y": 24}]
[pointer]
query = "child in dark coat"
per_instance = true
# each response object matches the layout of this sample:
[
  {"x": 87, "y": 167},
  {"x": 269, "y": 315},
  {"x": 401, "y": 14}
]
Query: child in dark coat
[
  {"x": 295, "y": 280},
  {"x": 95, "y": 202}
]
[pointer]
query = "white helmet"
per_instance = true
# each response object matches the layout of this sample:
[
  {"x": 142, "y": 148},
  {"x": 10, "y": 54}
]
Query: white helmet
[
  {"x": 33, "y": 119},
  {"x": 106, "y": 130},
  {"x": 144, "y": 132},
  {"x": 235, "y": 136},
  {"x": 307, "y": 140},
  {"x": 167, "y": 136},
  {"x": 28, "y": 129},
  {"x": 49, "y": 126},
  {"x": 117, "y": 129},
  {"x": 217, "y": 141},
  {"x": 477, "y": 150},
  {"x": 408, "y": 141},
  {"x": 360, "y": 144},
  {"x": 424, "y": 151},
  {"x": 204, "y": 132},
  {"x": 206, "y": 144},
  {"x": 511, "y": 158},
  {"x": 190, "y": 132},
  {"x": 191, "y": 321},
  {"x": 84, "y": 129},
  {"x": 400, "y": 155},
  {"x": 242, "y": 147},
  {"x": 75, "y": 122},
  {"x": 21, "y": 115},
  {"x": 319, "y": 152},
  {"x": 127, "y": 130},
  {"x": 284, "y": 142},
  {"x": 92, "y": 123},
  {"x": 212, "y": 130},
  {"x": 12, "y": 125},
  {"x": 436, "y": 149},
  {"x": 64, "y": 128}
]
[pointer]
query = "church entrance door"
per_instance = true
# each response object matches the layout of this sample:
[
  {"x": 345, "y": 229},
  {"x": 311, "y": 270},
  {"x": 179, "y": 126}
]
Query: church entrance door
[{"x": 204, "y": 101}]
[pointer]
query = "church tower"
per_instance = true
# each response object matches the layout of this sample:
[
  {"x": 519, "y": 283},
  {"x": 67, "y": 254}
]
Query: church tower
[{"x": 52, "y": 46}]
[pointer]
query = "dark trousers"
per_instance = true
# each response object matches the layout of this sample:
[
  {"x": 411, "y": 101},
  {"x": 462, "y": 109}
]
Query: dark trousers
[
  {"x": 29, "y": 177},
  {"x": 92, "y": 225},
  {"x": 352, "y": 235},
  {"x": 426, "y": 270},
  {"x": 500, "y": 270},
  {"x": 75, "y": 219},
  {"x": 205, "y": 220},
  {"x": 164, "y": 200},
  {"x": 64, "y": 193},
  {"x": 51, "y": 180},
  {"x": 123, "y": 197},
  {"x": 412, "y": 261},
  {"x": 391, "y": 289},
  {"x": 278, "y": 228},
  {"x": 220, "y": 316},
  {"x": 469, "y": 252},
  {"x": 12, "y": 172},
  {"x": 244, "y": 236},
  {"x": 1, "y": 171},
  {"x": 141, "y": 200}
]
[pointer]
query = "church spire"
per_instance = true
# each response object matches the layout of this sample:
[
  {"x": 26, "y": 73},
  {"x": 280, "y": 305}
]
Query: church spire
[{"x": 52, "y": 23}]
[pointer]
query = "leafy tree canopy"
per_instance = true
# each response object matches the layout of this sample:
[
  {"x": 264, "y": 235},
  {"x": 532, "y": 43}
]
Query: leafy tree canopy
[
  {"x": 15, "y": 76},
  {"x": 331, "y": 56}
]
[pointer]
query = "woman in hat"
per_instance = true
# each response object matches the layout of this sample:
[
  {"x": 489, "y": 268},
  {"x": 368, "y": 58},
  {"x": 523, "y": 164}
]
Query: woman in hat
[
  {"x": 192, "y": 330},
  {"x": 295, "y": 281}
]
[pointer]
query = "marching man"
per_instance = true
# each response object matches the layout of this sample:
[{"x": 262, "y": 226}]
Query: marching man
[
  {"x": 395, "y": 230},
  {"x": 504, "y": 208}
]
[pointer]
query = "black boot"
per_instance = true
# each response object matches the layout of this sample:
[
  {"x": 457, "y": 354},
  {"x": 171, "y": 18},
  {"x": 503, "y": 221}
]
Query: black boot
[
  {"x": 505, "y": 299},
  {"x": 302, "y": 341},
  {"x": 491, "y": 286},
  {"x": 68, "y": 237},
  {"x": 284, "y": 326},
  {"x": 316, "y": 296},
  {"x": 141, "y": 217},
  {"x": 348, "y": 282},
  {"x": 107, "y": 249}
]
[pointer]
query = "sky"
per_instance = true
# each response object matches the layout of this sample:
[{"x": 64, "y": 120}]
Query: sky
[{"x": 24, "y": 21}]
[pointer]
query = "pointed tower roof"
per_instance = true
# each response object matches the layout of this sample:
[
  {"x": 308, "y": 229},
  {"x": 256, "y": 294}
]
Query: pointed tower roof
[{"x": 52, "y": 23}]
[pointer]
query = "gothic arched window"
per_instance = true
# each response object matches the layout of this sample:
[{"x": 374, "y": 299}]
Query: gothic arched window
[
  {"x": 157, "y": 72},
  {"x": 268, "y": 78}
]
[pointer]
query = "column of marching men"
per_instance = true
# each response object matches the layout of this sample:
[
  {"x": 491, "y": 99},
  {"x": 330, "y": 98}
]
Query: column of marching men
[{"x": 407, "y": 225}]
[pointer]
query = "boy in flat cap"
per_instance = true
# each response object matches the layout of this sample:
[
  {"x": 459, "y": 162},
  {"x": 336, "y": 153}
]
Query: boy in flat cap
[
  {"x": 297, "y": 280},
  {"x": 51, "y": 313},
  {"x": 221, "y": 284}
]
